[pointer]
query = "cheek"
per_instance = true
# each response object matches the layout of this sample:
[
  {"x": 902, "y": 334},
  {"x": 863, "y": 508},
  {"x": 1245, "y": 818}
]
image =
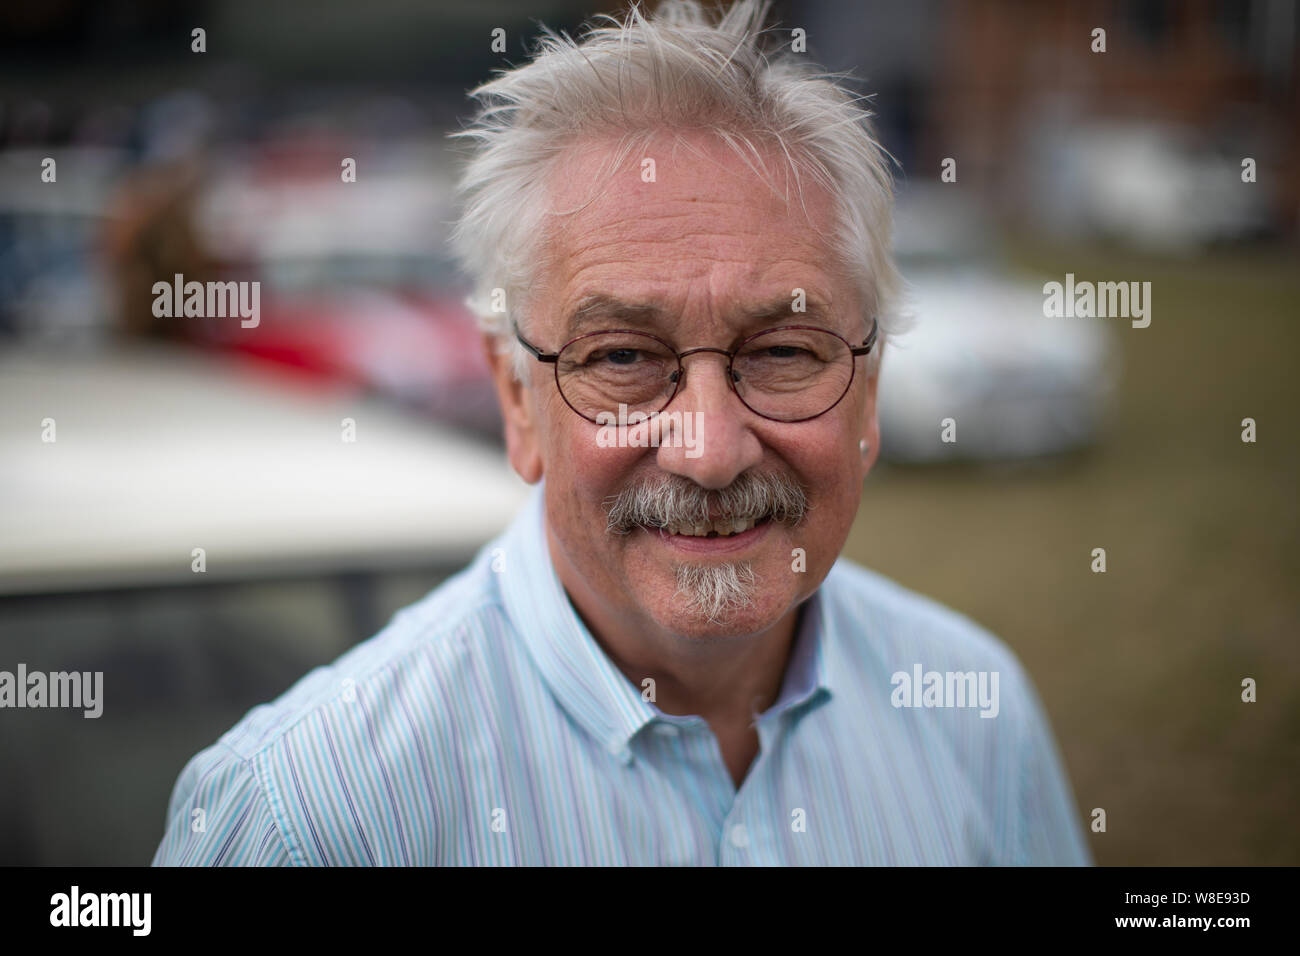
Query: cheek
[
  {"x": 825, "y": 458},
  {"x": 583, "y": 471},
  {"x": 827, "y": 463},
  {"x": 837, "y": 491}
]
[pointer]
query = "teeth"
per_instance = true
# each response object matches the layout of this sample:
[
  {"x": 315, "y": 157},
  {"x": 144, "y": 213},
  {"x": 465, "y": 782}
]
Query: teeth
[{"x": 699, "y": 529}]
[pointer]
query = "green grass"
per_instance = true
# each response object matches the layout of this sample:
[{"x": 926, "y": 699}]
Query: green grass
[{"x": 1140, "y": 668}]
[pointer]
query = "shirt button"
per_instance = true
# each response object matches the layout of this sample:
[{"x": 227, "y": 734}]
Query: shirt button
[
  {"x": 739, "y": 836},
  {"x": 619, "y": 751},
  {"x": 666, "y": 730}
]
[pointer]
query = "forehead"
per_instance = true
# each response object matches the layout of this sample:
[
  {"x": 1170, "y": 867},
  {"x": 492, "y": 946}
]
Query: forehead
[{"x": 695, "y": 228}]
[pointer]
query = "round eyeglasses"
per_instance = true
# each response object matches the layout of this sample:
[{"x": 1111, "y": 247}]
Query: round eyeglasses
[{"x": 788, "y": 374}]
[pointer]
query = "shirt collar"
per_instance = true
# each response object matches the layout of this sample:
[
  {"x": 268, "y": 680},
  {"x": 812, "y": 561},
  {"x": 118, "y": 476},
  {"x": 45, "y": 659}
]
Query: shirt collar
[
  {"x": 807, "y": 674},
  {"x": 583, "y": 679}
]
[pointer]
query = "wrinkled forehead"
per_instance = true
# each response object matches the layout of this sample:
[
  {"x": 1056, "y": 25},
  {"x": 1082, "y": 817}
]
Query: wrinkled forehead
[
  {"x": 641, "y": 225},
  {"x": 632, "y": 179}
]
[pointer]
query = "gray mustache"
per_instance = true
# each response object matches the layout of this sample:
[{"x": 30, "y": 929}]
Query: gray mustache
[{"x": 656, "y": 504}]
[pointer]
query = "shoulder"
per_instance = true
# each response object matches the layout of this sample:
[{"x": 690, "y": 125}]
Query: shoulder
[
  {"x": 920, "y": 659},
  {"x": 923, "y": 660},
  {"x": 355, "y": 732},
  {"x": 891, "y": 624},
  {"x": 451, "y": 629}
]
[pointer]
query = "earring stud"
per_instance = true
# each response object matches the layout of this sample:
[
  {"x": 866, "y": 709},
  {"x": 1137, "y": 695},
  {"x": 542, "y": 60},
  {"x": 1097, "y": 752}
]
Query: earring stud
[{"x": 864, "y": 446}]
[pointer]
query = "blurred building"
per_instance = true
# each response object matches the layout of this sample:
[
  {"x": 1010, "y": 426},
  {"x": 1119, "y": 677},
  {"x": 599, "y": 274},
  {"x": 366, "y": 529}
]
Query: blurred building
[{"x": 1209, "y": 78}]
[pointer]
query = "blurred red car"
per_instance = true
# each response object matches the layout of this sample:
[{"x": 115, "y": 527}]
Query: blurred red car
[{"x": 356, "y": 286}]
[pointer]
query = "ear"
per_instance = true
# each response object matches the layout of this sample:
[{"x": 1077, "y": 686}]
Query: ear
[
  {"x": 870, "y": 427},
  {"x": 518, "y": 412}
]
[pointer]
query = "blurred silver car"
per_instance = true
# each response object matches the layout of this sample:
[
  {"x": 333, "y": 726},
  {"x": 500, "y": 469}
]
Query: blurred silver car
[{"x": 983, "y": 374}]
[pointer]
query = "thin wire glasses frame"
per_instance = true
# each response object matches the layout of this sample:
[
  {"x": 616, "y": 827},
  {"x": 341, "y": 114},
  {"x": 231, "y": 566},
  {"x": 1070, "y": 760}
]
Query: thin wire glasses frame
[{"x": 553, "y": 359}]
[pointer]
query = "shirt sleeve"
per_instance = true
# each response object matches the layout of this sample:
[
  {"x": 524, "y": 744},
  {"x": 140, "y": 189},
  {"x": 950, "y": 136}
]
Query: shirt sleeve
[
  {"x": 219, "y": 816},
  {"x": 1051, "y": 829}
]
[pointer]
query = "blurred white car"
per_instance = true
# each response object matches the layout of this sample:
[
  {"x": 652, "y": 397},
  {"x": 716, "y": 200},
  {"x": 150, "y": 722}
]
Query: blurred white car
[
  {"x": 160, "y": 450},
  {"x": 1014, "y": 383},
  {"x": 1156, "y": 186}
]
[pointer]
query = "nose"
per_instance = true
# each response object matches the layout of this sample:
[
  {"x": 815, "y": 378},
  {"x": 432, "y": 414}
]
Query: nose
[{"x": 712, "y": 439}]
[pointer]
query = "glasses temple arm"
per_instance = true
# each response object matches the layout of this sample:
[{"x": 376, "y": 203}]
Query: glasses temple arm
[
  {"x": 536, "y": 352},
  {"x": 865, "y": 347}
]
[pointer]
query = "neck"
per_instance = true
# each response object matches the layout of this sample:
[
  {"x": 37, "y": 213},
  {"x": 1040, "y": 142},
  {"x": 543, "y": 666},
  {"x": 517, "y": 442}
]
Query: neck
[{"x": 726, "y": 681}]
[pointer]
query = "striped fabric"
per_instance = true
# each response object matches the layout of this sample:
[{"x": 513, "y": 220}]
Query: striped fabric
[{"x": 484, "y": 725}]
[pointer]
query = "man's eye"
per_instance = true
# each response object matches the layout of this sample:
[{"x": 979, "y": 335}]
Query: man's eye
[
  {"x": 617, "y": 356},
  {"x": 784, "y": 351}
]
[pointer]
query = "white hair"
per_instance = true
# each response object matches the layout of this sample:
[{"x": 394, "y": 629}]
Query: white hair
[
  {"x": 716, "y": 590},
  {"x": 678, "y": 69}
]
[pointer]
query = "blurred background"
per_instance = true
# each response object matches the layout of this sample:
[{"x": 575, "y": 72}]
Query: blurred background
[{"x": 205, "y": 511}]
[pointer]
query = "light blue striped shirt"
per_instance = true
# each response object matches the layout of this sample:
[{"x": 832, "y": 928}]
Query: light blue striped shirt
[{"x": 484, "y": 725}]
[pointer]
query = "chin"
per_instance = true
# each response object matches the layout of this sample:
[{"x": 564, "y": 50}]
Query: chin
[{"x": 759, "y": 608}]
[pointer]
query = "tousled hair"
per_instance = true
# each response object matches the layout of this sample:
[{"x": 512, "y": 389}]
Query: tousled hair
[{"x": 679, "y": 69}]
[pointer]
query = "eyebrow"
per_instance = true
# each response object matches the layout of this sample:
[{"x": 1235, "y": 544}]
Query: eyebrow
[{"x": 600, "y": 311}]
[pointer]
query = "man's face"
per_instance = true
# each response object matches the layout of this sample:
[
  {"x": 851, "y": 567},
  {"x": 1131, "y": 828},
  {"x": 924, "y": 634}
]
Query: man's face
[{"x": 703, "y": 252}]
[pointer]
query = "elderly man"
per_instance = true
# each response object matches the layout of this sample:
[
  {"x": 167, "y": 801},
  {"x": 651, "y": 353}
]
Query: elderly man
[{"x": 681, "y": 249}]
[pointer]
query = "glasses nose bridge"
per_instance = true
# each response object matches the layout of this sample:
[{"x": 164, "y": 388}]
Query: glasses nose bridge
[{"x": 729, "y": 356}]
